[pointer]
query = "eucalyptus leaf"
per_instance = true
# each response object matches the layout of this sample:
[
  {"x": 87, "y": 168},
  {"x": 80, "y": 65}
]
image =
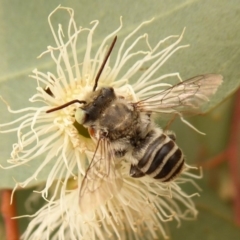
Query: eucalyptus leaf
[
  {"x": 212, "y": 31},
  {"x": 214, "y": 220}
]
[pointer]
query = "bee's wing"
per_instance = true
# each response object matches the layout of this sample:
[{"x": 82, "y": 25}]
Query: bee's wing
[
  {"x": 184, "y": 97},
  {"x": 102, "y": 180}
]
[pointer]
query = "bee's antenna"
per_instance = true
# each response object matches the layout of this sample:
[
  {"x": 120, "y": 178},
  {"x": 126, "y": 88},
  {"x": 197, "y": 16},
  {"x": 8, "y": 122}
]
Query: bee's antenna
[
  {"x": 65, "y": 105},
  {"x": 96, "y": 81},
  {"x": 103, "y": 64}
]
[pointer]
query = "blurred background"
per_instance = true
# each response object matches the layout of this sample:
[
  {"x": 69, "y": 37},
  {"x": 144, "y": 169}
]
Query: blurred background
[{"x": 213, "y": 32}]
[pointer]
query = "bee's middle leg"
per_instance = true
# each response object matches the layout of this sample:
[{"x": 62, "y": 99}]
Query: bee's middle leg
[{"x": 135, "y": 172}]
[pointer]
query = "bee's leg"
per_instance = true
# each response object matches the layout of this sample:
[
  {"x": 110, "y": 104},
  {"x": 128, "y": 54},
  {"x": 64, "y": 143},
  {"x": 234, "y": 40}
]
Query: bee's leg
[
  {"x": 119, "y": 153},
  {"x": 135, "y": 172},
  {"x": 171, "y": 135}
]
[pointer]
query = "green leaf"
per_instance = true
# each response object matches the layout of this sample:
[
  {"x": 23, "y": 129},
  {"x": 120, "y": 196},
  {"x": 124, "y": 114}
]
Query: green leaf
[
  {"x": 214, "y": 220},
  {"x": 212, "y": 31}
]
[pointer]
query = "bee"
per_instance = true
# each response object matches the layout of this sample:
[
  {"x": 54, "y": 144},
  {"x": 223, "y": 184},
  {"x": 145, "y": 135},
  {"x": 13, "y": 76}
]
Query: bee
[{"x": 126, "y": 130}]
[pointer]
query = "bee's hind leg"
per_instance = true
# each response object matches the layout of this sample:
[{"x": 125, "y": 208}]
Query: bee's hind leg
[
  {"x": 135, "y": 172},
  {"x": 171, "y": 135}
]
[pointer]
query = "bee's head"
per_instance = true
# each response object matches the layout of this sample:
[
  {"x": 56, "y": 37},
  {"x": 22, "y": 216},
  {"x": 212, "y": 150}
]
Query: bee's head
[
  {"x": 92, "y": 110},
  {"x": 105, "y": 93}
]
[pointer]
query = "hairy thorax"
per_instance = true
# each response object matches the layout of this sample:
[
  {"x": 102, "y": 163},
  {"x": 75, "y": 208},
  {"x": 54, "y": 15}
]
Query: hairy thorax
[{"x": 120, "y": 120}]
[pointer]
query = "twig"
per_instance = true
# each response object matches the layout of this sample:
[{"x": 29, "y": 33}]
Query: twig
[
  {"x": 232, "y": 155},
  {"x": 8, "y": 211}
]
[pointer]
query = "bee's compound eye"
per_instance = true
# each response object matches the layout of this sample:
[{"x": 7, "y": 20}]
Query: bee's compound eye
[{"x": 80, "y": 116}]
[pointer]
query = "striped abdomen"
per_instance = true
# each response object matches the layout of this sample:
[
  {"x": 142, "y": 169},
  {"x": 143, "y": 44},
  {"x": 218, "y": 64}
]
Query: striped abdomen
[{"x": 162, "y": 159}]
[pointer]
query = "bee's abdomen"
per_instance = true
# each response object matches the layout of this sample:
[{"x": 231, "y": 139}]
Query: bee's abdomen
[{"x": 162, "y": 159}]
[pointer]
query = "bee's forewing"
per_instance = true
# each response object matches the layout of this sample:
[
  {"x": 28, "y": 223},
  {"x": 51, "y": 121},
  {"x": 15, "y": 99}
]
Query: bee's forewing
[
  {"x": 102, "y": 180},
  {"x": 186, "y": 96}
]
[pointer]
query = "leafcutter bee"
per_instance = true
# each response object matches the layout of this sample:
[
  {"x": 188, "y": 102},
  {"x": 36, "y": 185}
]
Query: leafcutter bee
[{"x": 125, "y": 130}]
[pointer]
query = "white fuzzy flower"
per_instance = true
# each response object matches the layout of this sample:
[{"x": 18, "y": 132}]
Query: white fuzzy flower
[
  {"x": 142, "y": 205},
  {"x": 140, "y": 210}
]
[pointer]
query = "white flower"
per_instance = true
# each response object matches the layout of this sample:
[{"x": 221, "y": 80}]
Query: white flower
[
  {"x": 57, "y": 142},
  {"x": 140, "y": 210}
]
